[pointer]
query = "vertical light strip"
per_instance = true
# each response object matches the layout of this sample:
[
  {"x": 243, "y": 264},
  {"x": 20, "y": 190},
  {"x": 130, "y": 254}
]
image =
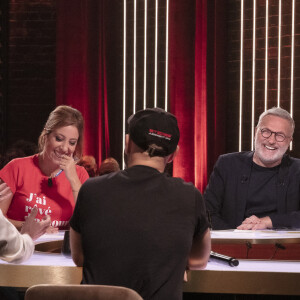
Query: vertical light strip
[
  {"x": 124, "y": 80},
  {"x": 266, "y": 54},
  {"x": 155, "y": 64},
  {"x": 167, "y": 55},
  {"x": 241, "y": 76},
  {"x": 279, "y": 54},
  {"x": 292, "y": 60},
  {"x": 253, "y": 74},
  {"x": 145, "y": 55},
  {"x": 292, "y": 66},
  {"x": 134, "y": 58}
]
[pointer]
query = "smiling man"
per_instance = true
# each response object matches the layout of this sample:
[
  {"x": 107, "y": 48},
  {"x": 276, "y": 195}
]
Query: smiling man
[{"x": 258, "y": 189}]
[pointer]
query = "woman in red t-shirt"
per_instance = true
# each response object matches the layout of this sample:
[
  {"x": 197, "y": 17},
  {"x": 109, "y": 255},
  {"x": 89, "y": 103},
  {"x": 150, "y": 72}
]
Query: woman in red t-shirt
[{"x": 49, "y": 180}]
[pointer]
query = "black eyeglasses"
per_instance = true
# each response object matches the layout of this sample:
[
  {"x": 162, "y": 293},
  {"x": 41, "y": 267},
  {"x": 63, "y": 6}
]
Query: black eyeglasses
[{"x": 266, "y": 133}]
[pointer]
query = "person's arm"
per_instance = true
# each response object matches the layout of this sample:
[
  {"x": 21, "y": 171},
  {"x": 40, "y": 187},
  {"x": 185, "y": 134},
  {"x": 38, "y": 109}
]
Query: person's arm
[
  {"x": 69, "y": 166},
  {"x": 288, "y": 220},
  {"x": 200, "y": 251},
  {"x": 214, "y": 196},
  {"x": 16, "y": 247},
  {"x": 76, "y": 248},
  {"x": 6, "y": 196}
]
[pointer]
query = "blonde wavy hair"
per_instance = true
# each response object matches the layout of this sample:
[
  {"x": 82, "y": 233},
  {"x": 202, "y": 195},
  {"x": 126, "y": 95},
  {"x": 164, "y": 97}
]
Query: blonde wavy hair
[{"x": 62, "y": 116}]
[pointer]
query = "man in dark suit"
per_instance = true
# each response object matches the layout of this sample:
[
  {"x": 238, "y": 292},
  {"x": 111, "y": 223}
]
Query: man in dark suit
[{"x": 258, "y": 189}]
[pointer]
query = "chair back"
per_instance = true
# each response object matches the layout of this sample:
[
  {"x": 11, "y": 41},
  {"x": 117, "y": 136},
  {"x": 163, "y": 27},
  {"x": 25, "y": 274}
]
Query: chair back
[{"x": 80, "y": 292}]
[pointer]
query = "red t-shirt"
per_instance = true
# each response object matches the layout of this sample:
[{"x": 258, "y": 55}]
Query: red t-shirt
[{"x": 30, "y": 188}]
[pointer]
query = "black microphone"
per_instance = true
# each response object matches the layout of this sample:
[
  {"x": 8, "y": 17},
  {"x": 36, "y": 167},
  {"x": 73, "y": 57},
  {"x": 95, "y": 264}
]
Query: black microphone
[
  {"x": 50, "y": 179},
  {"x": 280, "y": 182},
  {"x": 233, "y": 262},
  {"x": 244, "y": 179},
  {"x": 50, "y": 182}
]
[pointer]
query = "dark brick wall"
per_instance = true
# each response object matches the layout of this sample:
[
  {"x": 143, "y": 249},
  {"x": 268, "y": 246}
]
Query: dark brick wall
[
  {"x": 31, "y": 68},
  {"x": 233, "y": 66},
  {"x": 114, "y": 63},
  {"x": 3, "y": 70}
]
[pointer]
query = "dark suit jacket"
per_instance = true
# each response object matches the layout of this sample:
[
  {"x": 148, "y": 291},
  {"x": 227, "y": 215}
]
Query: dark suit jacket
[{"x": 226, "y": 193}]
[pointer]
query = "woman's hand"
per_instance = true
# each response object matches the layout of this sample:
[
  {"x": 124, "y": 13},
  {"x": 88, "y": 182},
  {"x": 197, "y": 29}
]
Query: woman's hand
[
  {"x": 68, "y": 164},
  {"x": 35, "y": 229},
  {"x": 52, "y": 230}
]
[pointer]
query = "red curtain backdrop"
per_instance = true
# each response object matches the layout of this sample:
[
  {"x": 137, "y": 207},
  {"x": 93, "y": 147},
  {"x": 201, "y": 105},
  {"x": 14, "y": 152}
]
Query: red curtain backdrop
[
  {"x": 81, "y": 74},
  {"x": 181, "y": 83},
  {"x": 196, "y": 80},
  {"x": 195, "y": 85},
  {"x": 216, "y": 81},
  {"x": 200, "y": 112}
]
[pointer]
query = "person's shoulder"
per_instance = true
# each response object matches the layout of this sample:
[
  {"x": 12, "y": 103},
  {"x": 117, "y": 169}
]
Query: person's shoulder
[
  {"x": 181, "y": 189},
  {"x": 179, "y": 182},
  {"x": 100, "y": 180},
  {"x": 235, "y": 157},
  {"x": 292, "y": 166},
  {"x": 293, "y": 162},
  {"x": 23, "y": 161}
]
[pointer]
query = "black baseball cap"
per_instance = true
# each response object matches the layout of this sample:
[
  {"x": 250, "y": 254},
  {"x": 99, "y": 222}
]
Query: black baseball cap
[{"x": 154, "y": 126}]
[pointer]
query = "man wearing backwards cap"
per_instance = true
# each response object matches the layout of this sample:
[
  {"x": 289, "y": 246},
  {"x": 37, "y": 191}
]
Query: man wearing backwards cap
[{"x": 140, "y": 228}]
